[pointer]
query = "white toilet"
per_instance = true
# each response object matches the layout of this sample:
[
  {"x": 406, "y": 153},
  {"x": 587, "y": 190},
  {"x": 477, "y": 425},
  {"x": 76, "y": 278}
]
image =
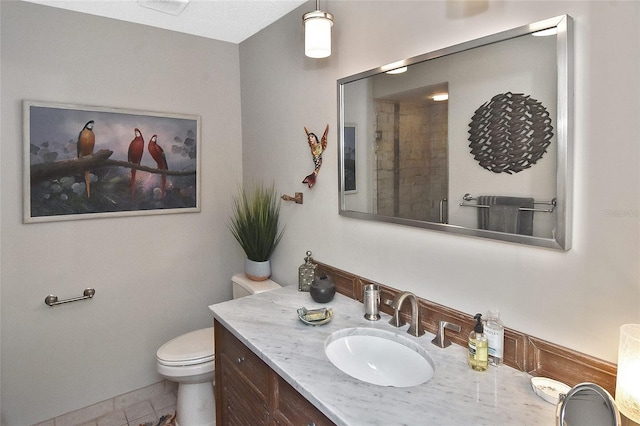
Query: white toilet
[{"x": 189, "y": 360}]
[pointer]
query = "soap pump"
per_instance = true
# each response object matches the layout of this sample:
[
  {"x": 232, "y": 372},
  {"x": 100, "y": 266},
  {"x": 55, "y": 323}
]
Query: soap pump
[{"x": 478, "y": 346}]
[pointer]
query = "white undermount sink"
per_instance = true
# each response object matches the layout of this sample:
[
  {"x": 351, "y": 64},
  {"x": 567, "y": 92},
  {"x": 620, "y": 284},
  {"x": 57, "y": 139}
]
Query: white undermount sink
[{"x": 379, "y": 357}]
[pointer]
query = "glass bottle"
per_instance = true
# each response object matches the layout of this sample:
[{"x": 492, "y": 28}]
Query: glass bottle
[{"x": 494, "y": 330}]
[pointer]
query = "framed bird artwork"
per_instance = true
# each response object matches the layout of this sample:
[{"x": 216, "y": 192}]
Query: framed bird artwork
[{"x": 85, "y": 162}]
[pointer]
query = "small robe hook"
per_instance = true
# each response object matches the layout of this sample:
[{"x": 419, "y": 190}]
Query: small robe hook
[{"x": 297, "y": 198}]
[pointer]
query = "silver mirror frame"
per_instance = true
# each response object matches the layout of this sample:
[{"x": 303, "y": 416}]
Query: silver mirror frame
[{"x": 564, "y": 139}]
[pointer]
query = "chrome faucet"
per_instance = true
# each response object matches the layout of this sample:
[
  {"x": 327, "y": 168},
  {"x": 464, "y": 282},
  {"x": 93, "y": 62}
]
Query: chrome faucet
[
  {"x": 440, "y": 340},
  {"x": 415, "y": 328}
]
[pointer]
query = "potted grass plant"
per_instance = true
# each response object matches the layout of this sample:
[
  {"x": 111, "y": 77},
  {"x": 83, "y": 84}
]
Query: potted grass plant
[{"x": 254, "y": 224}]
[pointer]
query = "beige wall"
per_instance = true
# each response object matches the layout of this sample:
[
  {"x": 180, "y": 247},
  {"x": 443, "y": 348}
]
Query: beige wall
[
  {"x": 154, "y": 275},
  {"x": 578, "y": 298}
]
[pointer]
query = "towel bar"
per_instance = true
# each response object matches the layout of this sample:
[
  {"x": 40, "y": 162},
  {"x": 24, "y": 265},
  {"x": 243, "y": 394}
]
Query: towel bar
[
  {"x": 52, "y": 300},
  {"x": 552, "y": 203}
]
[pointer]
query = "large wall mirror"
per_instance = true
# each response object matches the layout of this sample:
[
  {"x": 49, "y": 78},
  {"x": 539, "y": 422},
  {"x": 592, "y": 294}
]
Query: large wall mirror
[{"x": 474, "y": 139}]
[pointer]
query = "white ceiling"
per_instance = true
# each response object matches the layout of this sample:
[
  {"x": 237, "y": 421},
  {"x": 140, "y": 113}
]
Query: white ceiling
[{"x": 226, "y": 20}]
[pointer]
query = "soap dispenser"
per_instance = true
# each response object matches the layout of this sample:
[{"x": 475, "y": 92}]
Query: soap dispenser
[{"x": 478, "y": 346}]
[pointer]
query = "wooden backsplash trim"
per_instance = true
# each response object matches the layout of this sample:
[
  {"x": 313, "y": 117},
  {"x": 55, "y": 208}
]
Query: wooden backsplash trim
[
  {"x": 521, "y": 351},
  {"x": 550, "y": 360}
]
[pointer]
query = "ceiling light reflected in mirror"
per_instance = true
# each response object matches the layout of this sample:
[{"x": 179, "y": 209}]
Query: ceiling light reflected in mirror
[
  {"x": 546, "y": 33},
  {"x": 397, "y": 70},
  {"x": 172, "y": 7}
]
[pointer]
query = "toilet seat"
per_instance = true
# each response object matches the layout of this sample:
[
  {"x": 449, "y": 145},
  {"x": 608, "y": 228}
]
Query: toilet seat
[{"x": 195, "y": 347}]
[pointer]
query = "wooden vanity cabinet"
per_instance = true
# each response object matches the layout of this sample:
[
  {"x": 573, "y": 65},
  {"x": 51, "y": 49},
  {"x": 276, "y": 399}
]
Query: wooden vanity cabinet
[
  {"x": 249, "y": 392},
  {"x": 241, "y": 384},
  {"x": 292, "y": 409}
]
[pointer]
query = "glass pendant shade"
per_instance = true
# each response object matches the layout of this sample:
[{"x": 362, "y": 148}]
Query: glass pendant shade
[
  {"x": 317, "y": 34},
  {"x": 628, "y": 380}
]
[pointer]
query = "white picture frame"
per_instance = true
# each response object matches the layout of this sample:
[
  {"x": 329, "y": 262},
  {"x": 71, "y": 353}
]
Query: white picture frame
[{"x": 56, "y": 187}]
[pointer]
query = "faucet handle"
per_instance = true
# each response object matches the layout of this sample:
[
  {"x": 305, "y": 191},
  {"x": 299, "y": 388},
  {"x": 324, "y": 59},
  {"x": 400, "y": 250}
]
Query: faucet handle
[
  {"x": 440, "y": 340},
  {"x": 395, "y": 320}
]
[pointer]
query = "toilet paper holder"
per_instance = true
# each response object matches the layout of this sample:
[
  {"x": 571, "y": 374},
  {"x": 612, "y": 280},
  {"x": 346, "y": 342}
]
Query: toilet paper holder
[{"x": 52, "y": 300}]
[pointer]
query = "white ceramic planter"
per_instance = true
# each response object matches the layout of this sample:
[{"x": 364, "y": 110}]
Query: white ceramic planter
[{"x": 257, "y": 271}]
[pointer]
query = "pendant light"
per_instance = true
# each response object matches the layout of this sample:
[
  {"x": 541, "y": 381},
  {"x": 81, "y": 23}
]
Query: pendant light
[{"x": 317, "y": 33}]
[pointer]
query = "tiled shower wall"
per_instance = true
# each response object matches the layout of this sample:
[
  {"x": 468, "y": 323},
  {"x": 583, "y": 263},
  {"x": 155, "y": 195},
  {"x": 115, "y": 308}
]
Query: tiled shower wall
[{"x": 414, "y": 135}]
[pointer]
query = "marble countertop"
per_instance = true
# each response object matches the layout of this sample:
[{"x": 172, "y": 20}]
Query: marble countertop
[{"x": 456, "y": 395}]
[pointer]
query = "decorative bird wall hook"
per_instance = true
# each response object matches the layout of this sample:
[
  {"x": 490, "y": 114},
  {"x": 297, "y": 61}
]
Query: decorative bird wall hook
[{"x": 317, "y": 148}]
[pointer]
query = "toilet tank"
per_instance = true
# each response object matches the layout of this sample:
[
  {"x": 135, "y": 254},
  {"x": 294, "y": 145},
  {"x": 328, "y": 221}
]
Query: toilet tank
[{"x": 243, "y": 286}]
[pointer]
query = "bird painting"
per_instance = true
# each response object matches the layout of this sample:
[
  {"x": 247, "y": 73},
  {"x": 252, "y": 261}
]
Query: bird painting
[
  {"x": 317, "y": 148},
  {"x": 86, "y": 142},
  {"x": 157, "y": 153},
  {"x": 136, "y": 149}
]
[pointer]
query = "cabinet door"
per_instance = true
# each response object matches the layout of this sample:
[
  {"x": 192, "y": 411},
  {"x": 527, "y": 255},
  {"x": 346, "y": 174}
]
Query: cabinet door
[
  {"x": 241, "y": 405},
  {"x": 252, "y": 369},
  {"x": 249, "y": 392},
  {"x": 242, "y": 382},
  {"x": 292, "y": 409}
]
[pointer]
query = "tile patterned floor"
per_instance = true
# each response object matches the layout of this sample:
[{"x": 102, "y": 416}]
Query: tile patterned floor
[{"x": 131, "y": 409}]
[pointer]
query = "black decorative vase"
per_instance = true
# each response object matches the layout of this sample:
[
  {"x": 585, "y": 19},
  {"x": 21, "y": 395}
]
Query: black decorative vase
[{"x": 322, "y": 289}]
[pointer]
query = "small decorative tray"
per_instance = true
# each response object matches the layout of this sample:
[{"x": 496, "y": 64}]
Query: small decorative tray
[
  {"x": 315, "y": 316},
  {"x": 549, "y": 389}
]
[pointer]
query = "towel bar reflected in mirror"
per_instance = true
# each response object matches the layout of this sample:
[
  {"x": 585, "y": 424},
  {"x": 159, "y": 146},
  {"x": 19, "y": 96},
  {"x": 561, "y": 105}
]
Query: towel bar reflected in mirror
[{"x": 552, "y": 203}]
